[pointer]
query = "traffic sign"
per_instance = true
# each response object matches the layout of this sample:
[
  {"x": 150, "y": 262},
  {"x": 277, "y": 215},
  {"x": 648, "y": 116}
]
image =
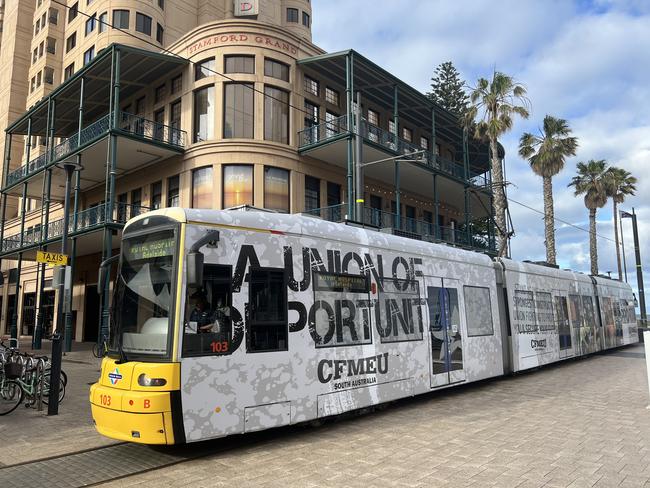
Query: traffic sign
[{"x": 52, "y": 258}]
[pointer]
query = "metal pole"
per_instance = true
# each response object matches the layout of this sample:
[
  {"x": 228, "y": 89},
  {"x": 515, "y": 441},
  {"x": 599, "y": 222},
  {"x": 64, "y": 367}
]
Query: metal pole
[
  {"x": 398, "y": 204},
  {"x": 348, "y": 96},
  {"x": 432, "y": 149},
  {"x": 14, "y": 316},
  {"x": 436, "y": 229},
  {"x": 57, "y": 350},
  {"x": 639, "y": 271},
  {"x": 620, "y": 221},
  {"x": 468, "y": 236},
  {"x": 358, "y": 194},
  {"x": 73, "y": 257}
]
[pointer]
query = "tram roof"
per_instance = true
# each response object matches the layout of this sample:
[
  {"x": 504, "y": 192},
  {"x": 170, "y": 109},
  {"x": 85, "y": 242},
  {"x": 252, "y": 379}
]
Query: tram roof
[{"x": 309, "y": 226}]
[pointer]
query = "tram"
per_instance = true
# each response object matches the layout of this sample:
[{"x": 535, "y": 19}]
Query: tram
[{"x": 227, "y": 322}]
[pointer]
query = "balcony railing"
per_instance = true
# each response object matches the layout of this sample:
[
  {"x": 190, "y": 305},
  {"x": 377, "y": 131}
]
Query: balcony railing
[
  {"x": 128, "y": 123},
  {"x": 329, "y": 130},
  {"x": 88, "y": 219},
  {"x": 410, "y": 227}
]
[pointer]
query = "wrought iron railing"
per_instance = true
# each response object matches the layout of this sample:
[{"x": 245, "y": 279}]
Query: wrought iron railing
[
  {"x": 328, "y": 130},
  {"x": 128, "y": 123},
  {"x": 323, "y": 132},
  {"x": 87, "y": 219},
  {"x": 410, "y": 227}
]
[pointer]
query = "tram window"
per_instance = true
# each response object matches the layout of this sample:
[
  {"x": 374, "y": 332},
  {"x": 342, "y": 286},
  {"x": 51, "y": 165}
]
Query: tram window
[
  {"x": 208, "y": 314},
  {"x": 400, "y": 314},
  {"x": 478, "y": 309},
  {"x": 341, "y": 312},
  {"x": 544, "y": 309},
  {"x": 267, "y": 325},
  {"x": 562, "y": 321}
]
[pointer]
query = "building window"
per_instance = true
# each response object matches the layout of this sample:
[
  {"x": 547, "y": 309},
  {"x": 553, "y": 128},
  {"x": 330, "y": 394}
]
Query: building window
[
  {"x": 32, "y": 85},
  {"x": 90, "y": 24},
  {"x": 305, "y": 19},
  {"x": 276, "y": 189},
  {"x": 333, "y": 194},
  {"x": 204, "y": 69},
  {"x": 238, "y": 113},
  {"x": 103, "y": 22},
  {"x": 202, "y": 187},
  {"x": 160, "y": 33},
  {"x": 311, "y": 86},
  {"x": 239, "y": 64},
  {"x": 175, "y": 115},
  {"x": 276, "y": 115},
  {"x": 41, "y": 49},
  {"x": 312, "y": 193},
  {"x": 373, "y": 117},
  {"x": 51, "y": 45},
  {"x": 73, "y": 11},
  {"x": 177, "y": 83},
  {"x": 204, "y": 114},
  {"x": 159, "y": 127},
  {"x": 143, "y": 23},
  {"x": 331, "y": 96},
  {"x": 276, "y": 69},
  {"x": 35, "y": 55},
  {"x": 311, "y": 121},
  {"x": 89, "y": 55},
  {"x": 69, "y": 71},
  {"x": 437, "y": 149},
  {"x": 424, "y": 142},
  {"x": 407, "y": 134},
  {"x": 292, "y": 15},
  {"x": 48, "y": 75},
  {"x": 161, "y": 4},
  {"x": 136, "y": 199},
  {"x": 37, "y": 27},
  {"x": 237, "y": 185},
  {"x": 121, "y": 19},
  {"x": 54, "y": 16},
  {"x": 173, "y": 196},
  {"x": 332, "y": 126},
  {"x": 160, "y": 93},
  {"x": 71, "y": 42},
  {"x": 391, "y": 126}
]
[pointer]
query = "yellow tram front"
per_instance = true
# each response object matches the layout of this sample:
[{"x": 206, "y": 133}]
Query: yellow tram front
[{"x": 137, "y": 397}]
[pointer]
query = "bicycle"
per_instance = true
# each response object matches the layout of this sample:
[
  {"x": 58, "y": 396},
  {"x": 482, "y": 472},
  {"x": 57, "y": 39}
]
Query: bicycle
[{"x": 100, "y": 348}]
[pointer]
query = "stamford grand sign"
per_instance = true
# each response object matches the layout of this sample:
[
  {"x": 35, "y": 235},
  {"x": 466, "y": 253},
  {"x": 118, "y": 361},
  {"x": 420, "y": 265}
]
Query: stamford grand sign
[{"x": 244, "y": 39}]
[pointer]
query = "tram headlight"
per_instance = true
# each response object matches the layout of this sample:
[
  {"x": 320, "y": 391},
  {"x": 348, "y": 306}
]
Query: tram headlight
[{"x": 144, "y": 380}]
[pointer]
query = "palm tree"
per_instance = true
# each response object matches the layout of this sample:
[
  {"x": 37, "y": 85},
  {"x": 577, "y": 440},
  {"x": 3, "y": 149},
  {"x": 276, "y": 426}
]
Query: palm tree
[
  {"x": 497, "y": 101},
  {"x": 621, "y": 184},
  {"x": 546, "y": 154},
  {"x": 592, "y": 182}
]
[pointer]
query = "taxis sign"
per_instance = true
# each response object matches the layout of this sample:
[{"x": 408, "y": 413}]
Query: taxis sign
[{"x": 52, "y": 258}]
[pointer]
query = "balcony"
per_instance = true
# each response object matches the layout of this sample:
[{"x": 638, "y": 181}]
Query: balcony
[
  {"x": 316, "y": 137},
  {"x": 88, "y": 220},
  {"x": 477, "y": 239},
  {"x": 129, "y": 125}
]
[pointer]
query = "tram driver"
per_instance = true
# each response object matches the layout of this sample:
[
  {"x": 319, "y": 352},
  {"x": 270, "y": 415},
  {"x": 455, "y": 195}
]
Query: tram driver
[{"x": 204, "y": 318}]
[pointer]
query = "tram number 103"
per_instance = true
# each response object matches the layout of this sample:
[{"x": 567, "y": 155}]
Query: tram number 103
[
  {"x": 219, "y": 346},
  {"x": 105, "y": 400}
]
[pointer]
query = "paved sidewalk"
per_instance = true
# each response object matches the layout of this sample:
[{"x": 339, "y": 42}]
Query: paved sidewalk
[
  {"x": 579, "y": 424},
  {"x": 27, "y": 434}
]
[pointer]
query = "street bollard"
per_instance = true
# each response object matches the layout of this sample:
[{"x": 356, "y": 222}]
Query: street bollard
[{"x": 55, "y": 374}]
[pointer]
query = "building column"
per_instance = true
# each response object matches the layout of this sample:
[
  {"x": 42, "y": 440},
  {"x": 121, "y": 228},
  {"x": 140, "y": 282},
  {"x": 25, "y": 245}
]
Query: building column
[
  {"x": 349, "y": 87},
  {"x": 14, "y": 317},
  {"x": 398, "y": 205},
  {"x": 5, "y": 166},
  {"x": 111, "y": 164}
]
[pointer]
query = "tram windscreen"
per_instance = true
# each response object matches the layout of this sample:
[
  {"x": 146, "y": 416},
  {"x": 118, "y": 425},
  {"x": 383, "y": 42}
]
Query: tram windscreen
[{"x": 143, "y": 295}]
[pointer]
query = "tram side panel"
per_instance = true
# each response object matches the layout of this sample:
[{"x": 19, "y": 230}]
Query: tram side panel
[
  {"x": 616, "y": 304},
  {"x": 552, "y": 314},
  {"x": 358, "y": 328}
]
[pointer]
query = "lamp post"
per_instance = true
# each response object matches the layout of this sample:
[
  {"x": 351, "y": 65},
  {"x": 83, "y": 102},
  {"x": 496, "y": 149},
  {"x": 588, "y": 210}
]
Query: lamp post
[
  {"x": 64, "y": 286},
  {"x": 639, "y": 269},
  {"x": 620, "y": 221}
]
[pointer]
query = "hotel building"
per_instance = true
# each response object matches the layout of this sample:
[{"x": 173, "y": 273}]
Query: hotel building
[{"x": 205, "y": 104}]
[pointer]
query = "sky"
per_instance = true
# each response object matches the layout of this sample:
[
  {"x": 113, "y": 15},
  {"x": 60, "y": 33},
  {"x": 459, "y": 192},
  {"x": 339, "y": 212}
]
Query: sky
[{"x": 584, "y": 61}]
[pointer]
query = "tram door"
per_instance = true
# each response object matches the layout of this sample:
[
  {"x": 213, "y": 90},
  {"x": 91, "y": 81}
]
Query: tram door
[
  {"x": 565, "y": 335},
  {"x": 443, "y": 300}
]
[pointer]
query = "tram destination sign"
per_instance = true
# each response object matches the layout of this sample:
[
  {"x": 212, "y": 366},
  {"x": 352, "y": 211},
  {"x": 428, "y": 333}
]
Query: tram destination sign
[
  {"x": 152, "y": 249},
  {"x": 54, "y": 258}
]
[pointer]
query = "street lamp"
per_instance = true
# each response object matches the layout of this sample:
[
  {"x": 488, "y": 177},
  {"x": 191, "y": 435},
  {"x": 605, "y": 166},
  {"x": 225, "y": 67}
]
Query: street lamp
[
  {"x": 639, "y": 270},
  {"x": 65, "y": 285}
]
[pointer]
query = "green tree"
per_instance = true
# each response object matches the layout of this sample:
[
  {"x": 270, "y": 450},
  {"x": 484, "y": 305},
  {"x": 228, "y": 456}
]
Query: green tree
[
  {"x": 546, "y": 154},
  {"x": 592, "y": 181},
  {"x": 448, "y": 90},
  {"x": 621, "y": 183},
  {"x": 495, "y": 103}
]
